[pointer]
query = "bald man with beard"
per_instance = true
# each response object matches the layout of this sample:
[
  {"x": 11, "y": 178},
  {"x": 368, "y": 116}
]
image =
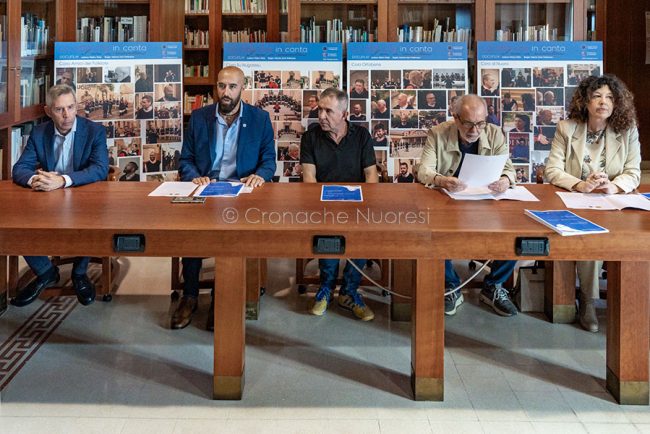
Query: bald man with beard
[{"x": 224, "y": 141}]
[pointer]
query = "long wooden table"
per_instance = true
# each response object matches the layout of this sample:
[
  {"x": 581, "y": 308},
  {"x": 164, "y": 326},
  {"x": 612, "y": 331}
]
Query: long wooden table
[{"x": 397, "y": 221}]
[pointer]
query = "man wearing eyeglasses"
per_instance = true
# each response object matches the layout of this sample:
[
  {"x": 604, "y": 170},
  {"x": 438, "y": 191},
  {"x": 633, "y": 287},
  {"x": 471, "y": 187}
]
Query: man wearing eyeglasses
[
  {"x": 442, "y": 157},
  {"x": 70, "y": 151}
]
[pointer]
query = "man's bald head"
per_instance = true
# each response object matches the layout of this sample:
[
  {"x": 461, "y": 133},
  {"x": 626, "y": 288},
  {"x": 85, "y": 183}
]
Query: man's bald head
[{"x": 232, "y": 73}]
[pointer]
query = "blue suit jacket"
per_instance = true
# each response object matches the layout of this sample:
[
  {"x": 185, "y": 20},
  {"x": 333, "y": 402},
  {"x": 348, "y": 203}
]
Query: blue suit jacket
[
  {"x": 255, "y": 146},
  {"x": 89, "y": 153}
]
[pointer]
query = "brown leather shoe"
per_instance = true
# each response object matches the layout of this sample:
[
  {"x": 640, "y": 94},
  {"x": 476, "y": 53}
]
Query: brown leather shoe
[
  {"x": 182, "y": 316},
  {"x": 209, "y": 324}
]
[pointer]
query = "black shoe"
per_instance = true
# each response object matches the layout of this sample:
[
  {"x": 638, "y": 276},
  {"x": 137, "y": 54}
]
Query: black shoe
[
  {"x": 453, "y": 300},
  {"x": 209, "y": 324},
  {"x": 84, "y": 288},
  {"x": 497, "y": 297},
  {"x": 31, "y": 292}
]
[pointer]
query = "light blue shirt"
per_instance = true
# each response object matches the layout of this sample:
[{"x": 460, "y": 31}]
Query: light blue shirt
[
  {"x": 225, "y": 162},
  {"x": 65, "y": 162}
]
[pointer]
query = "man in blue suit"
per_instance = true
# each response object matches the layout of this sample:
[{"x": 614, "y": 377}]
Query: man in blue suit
[
  {"x": 67, "y": 151},
  {"x": 229, "y": 140}
]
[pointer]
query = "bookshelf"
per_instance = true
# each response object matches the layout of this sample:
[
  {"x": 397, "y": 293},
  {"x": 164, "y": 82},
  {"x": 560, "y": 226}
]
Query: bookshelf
[
  {"x": 592, "y": 34},
  {"x": 529, "y": 20},
  {"x": 424, "y": 21},
  {"x": 200, "y": 36},
  {"x": 3, "y": 58},
  {"x": 207, "y": 24},
  {"x": 337, "y": 21}
]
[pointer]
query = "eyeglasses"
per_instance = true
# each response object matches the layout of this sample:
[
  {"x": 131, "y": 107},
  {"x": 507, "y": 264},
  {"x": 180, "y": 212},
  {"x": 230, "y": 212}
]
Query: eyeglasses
[{"x": 469, "y": 125}]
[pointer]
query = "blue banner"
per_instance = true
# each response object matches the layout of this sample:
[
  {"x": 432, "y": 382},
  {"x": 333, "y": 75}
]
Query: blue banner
[
  {"x": 407, "y": 51},
  {"x": 558, "y": 50},
  {"x": 117, "y": 50},
  {"x": 281, "y": 52}
]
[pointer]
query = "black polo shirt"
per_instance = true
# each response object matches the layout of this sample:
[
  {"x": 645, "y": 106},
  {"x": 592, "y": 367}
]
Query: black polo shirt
[{"x": 343, "y": 162}]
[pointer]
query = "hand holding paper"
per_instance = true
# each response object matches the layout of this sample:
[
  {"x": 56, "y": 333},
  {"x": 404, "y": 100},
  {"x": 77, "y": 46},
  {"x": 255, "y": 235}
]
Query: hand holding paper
[{"x": 479, "y": 172}]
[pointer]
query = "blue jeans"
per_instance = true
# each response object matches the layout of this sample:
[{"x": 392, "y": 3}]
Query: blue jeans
[
  {"x": 329, "y": 271},
  {"x": 41, "y": 264},
  {"x": 500, "y": 271}
]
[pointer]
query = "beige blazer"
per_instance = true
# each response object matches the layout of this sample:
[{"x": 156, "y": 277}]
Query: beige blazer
[
  {"x": 441, "y": 154},
  {"x": 622, "y": 156}
]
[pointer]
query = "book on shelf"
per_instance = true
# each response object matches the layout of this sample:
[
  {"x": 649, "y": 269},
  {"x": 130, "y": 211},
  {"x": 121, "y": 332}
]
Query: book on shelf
[
  {"x": 113, "y": 29},
  {"x": 243, "y": 6},
  {"x": 565, "y": 222},
  {"x": 437, "y": 33},
  {"x": 193, "y": 102},
  {"x": 520, "y": 33},
  {"x": 19, "y": 136},
  {"x": 33, "y": 84},
  {"x": 34, "y": 35},
  {"x": 196, "y": 71},
  {"x": 334, "y": 31},
  {"x": 3, "y": 36},
  {"x": 197, "y": 6},
  {"x": 196, "y": 38},
  {"x": 245, "y": 35}
]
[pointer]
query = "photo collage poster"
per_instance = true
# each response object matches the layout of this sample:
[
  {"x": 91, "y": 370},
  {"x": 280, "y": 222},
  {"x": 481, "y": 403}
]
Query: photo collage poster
[
  {"x": 135, "y": 89},
  {"x": 398, "y": 91},
  {"x": 528, "y": 87},
  {"x": 286, "y": 81}
]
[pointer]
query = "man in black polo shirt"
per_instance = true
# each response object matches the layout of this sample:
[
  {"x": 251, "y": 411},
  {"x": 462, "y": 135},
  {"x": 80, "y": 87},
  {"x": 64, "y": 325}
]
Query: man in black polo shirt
[{"x": 338, "y": 151}]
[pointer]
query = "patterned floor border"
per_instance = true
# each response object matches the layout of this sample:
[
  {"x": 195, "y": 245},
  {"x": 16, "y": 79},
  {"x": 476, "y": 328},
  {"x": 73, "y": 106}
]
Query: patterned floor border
[{"x": 25, "y": 342}]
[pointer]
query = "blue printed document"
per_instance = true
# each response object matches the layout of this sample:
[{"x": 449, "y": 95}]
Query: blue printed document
[
  {"x": 220, "y": 189},
  {"x": 341, "y": 193},
  {"x": 647, "y": 195},
  {"x": 565, "y": 222}
]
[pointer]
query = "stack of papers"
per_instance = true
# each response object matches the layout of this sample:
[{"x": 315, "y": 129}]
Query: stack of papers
[
  {"x": 341, "y": 193},
  {"x": 174, "y": 189},
  {"x": 565, "y": 222},
  {"x": 516, "y": 193},
  {"x": 604, "y": 201}
]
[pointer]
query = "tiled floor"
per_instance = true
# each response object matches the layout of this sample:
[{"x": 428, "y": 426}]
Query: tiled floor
[{"x": 117, "y": 368}]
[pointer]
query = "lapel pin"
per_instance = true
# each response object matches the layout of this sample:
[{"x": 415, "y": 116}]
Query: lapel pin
[{"x": 244, "y": 125}]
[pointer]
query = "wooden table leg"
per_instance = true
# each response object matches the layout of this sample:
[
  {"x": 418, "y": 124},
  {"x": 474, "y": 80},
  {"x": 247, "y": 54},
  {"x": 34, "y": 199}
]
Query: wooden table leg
[
  {"x": 253, "y": 284},
  {"x": 403, "y": 281},
  {"x": 428, "y": 331},
  {"x": 229, "y": 328},
  {"x": 13, "y": 276},
  {"x": 4, "y": 293},
  {"x": 627, "y": 331},
  {"x": 560, "y": 291}
]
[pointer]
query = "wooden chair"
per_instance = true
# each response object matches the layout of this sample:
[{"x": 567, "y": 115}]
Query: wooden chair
[{"x": 103, "y": 281}]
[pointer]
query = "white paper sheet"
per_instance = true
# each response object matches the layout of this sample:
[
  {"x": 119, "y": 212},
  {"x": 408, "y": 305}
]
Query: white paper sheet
[
  {"x": 603, "y": 202},
  {"x": 174, "y": 189},
  {"x": 517, "y": 193},
  {"x": 479, "y": 171}
]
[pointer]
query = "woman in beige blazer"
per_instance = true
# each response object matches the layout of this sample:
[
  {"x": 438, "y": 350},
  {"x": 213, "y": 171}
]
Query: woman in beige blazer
[{"x": 596, "y": 150}]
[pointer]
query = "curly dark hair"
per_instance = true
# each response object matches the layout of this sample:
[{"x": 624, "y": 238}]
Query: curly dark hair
[{"x": 623, "y": 116}]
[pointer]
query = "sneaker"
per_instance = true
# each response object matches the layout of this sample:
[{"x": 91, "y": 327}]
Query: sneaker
[
  {"x": 321, "y": 301},
  {"x": 497, "y": 297},
  {"x": 452, "y": 301},
  {"x": 354, "y": 302}
]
